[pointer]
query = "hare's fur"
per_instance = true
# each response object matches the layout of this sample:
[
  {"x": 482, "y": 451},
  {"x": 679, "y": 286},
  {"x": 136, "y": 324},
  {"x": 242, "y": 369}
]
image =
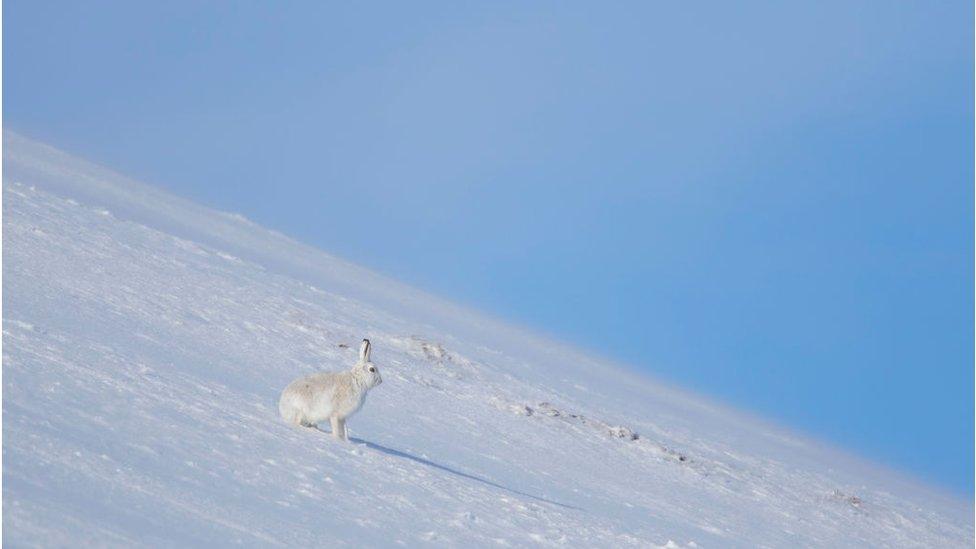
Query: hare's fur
[{"x": 332, "y": 396}]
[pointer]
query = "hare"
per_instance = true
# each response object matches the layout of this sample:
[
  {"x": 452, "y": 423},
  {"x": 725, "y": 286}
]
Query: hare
[{"x": 335, "y": 396}]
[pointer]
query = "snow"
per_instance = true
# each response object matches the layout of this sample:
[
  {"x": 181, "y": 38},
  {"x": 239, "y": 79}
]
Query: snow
[{"x": 146, "y": 340}]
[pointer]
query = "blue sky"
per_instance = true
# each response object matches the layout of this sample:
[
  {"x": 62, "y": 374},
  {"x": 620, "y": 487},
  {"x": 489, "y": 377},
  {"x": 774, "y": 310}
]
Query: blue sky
[{"x": 768, "y": 203}]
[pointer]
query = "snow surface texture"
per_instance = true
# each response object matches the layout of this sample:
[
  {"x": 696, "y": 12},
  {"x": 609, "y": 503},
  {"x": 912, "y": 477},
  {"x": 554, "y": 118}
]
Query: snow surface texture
[{"x": 146, "y": 340}]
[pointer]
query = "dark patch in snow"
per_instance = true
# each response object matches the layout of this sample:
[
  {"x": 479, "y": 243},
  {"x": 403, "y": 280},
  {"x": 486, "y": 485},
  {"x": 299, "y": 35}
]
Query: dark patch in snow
[
  {"x": 624, "y": 433},
  {"x": 450, "y": 363},
  {"x": 547, "y": 409},
  {"x": 854, "y": 501}
]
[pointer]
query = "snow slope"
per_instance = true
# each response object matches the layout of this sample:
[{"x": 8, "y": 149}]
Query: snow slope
[{"x": 146, "y": 339}]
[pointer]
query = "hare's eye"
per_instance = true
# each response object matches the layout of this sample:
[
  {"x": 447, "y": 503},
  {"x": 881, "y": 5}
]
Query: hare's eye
[{"x": 372, "y": 369}]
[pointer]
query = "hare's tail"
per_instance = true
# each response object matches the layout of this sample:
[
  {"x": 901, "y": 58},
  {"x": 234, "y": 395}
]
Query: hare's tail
[{"x": 289, "y": 412}]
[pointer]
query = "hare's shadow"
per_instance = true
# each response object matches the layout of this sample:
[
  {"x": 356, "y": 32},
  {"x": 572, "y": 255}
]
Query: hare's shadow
[{"x": 429, "y": 463}]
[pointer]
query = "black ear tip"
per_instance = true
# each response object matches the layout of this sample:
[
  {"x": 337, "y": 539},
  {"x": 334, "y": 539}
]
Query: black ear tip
[{"x": 366, "y": 341}]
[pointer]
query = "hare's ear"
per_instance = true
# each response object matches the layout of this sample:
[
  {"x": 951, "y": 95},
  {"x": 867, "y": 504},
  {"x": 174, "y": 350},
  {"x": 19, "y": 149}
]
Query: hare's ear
[{"x": 364, "y": 352}]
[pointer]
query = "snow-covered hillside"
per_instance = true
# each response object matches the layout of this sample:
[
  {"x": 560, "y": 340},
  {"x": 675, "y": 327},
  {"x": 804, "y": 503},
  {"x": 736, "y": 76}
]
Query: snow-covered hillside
[{"x": 146, "y": 340}]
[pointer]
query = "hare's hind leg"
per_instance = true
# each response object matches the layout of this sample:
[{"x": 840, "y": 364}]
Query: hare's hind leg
[{"x": 339, "y": 428}]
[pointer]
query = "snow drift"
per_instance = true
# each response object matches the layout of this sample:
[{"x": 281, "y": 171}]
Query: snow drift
[{"x": 146, "y": 340}]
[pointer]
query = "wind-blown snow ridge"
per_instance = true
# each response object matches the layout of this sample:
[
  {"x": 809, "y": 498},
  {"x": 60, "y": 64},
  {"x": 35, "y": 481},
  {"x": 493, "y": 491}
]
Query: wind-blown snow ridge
[{"x": 146, "y": 338}]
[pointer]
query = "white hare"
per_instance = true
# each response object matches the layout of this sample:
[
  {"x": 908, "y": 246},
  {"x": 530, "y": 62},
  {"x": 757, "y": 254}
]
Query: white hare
[{"x": 334, "y": 396}]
